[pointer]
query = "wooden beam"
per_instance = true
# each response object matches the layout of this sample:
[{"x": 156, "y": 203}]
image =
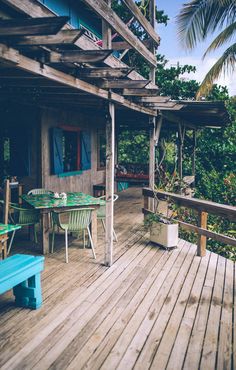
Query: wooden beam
[
  {"x": 168, "y": 107},
  {"x": 222, "y": 210},
  {"x": 123, "y": 45},
  {"x": 110, "y": 165},
  {"x": 31, "y": 26},
  {"x": 104, "y": 72},
  {"x": 64, "y": 37},
  {"x": 108, "y": 15},
  {"x": 142, "y": 20},
  {"x": 153, "y": 99},
  {"x": 139, "y": 92},
  {"x": 37, "y": 9},
  {"x": 79, "y": 56},
  {"x": 171, "y": 117},
  {"x": 31, "y": 66},
  {"x": 163, "y": 105},
  {"x": 120, "y": 84},
  {"x": 209, "y": 234}
]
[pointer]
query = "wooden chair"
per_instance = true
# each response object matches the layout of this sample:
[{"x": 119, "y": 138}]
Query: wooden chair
[
  {"x": 101, "y": 214},
  {"x": 78, "y": 220}
]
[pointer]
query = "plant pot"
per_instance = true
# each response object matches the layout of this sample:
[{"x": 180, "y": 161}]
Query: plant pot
[{"x": 164, "y": 234}]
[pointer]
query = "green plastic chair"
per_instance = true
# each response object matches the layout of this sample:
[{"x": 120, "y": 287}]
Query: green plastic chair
[
  {"x": 39, "y": 191},
  {"x": 24, "y": 217},
  {"x": 78, "y": 220},
  {"x": 101, "y": 214}
]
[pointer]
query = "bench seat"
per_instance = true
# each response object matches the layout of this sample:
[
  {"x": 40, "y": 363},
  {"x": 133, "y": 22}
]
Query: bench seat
[{"x": 22, "y": 273}]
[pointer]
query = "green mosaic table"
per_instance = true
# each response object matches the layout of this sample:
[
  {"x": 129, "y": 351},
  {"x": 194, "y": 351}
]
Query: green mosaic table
[
  {"x": 74, "y": 199},
  {"x": 4, "y": 230},
  {"x": 46, "y": 203}
]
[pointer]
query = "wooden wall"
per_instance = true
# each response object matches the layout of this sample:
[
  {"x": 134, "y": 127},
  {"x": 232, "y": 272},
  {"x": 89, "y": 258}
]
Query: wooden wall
[
  {"x": 36, "y": 123},
  {"x": 82, "y": 182}
]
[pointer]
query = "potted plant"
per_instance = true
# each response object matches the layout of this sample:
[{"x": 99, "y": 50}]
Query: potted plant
[{"x": 164, "y": 230}]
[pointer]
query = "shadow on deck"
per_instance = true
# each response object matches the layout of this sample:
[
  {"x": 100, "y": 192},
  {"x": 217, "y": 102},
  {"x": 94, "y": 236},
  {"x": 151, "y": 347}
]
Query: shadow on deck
[{"x": 152, "y": 309}]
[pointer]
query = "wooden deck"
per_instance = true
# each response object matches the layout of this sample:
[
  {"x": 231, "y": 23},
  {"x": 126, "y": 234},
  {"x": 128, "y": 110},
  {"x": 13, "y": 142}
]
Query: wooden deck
[{"x": 152, "y": 309}]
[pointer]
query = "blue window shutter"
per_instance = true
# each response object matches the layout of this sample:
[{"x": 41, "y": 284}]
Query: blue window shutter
[
  {"x": 56, "y": 151},
  {"x": 85, "y": 150}
]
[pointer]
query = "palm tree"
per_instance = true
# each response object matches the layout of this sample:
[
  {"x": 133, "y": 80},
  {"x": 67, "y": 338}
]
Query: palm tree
[{"x": 198, "y": 19}]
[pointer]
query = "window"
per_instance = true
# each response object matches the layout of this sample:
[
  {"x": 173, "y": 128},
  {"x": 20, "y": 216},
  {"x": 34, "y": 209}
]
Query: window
[
  {"x": 101, "y": 149},
  {"x": 70, "y": 149}
]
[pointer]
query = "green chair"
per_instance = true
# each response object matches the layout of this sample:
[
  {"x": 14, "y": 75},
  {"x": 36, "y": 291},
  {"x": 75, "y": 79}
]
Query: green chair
[
  {"x": 39, "y": 191},
  {"x": 23, "y": 217},
  {"x": 101, "y": 214},
  {"x": 78, "y": 220}
]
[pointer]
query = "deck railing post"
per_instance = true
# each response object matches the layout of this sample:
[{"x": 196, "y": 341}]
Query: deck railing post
[{"x": 202, "y": 240}]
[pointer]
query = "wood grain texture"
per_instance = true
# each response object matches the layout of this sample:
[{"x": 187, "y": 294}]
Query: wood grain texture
[{"x": 152, "y": 309}]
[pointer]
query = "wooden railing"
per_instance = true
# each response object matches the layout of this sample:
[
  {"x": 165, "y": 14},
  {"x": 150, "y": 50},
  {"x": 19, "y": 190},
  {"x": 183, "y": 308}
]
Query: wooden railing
[{"x": 203, "y": 207}]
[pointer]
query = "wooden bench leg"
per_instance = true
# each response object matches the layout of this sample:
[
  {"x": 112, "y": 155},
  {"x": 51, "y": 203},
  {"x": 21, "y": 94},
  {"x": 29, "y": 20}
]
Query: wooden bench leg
[
  {"x": 20, "y": 298},
  {"x": 28, "y": 293},
  {"x": 35, "y": 283}
]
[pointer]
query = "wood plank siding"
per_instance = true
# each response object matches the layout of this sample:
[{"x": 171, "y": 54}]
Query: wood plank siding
[{"x": 152, "y": 309}]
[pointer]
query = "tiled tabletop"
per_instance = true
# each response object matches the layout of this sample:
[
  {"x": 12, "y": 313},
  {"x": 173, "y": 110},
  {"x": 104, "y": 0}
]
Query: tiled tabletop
[
  {"x": 74, "y": 199},
  {"x": 4, "y": 229}
]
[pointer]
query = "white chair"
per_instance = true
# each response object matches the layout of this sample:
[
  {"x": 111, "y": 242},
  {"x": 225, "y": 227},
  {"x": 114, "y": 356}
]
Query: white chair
[
  {"x": 39, "y": 191},
  {"x": 78, "y": 220}
]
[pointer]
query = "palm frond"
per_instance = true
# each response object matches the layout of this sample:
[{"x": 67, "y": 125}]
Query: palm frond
[
  {"x": 222, "y": 38},
  {"x": 199, "y": 17},
  {"x": 226, "y": 63}
]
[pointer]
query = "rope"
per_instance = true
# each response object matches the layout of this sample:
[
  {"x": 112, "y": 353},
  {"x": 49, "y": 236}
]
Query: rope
[{"x": 143, "y": 7}]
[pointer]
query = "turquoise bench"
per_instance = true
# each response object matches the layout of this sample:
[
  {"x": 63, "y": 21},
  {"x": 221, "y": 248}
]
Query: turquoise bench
[{"x": 22, "y": 273}]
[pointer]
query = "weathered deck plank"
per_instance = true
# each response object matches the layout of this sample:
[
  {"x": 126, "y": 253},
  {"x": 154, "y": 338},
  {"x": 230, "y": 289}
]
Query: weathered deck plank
[{"x": 152, "y": 309}]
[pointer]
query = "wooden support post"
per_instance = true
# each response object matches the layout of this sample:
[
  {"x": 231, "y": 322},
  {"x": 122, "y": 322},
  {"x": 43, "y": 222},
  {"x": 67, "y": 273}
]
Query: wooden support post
[
  {"x": 152, "y": 76},
  {"x": 152, "y": 17},
  {"x": 44, "y": 233},
  {"x": 110, "y": 162},
  {"x": 106, "y": 32},
  {"x": 6, "y": 197},
  {"x": 20, "y": 193},
  {"x": 194, "y": 155},
  {"x": 202, "y": 240},
  {"x": 110, "y": 158},
  {"x": 181, "y": 134},
  {"x": 152, "y": 159}
]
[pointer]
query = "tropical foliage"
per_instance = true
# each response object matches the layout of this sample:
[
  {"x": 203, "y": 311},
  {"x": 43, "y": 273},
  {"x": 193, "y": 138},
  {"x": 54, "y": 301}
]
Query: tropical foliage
[
  {"x": 215, "y": 165},
  {"x": 201, "y": 18}
]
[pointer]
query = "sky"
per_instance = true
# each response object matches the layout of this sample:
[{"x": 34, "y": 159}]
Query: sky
[{"x": 174, "y": 52}]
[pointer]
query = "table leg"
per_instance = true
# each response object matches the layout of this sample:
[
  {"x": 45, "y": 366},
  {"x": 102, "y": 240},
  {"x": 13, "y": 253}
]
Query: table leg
[
  {"x": 44, "y": 235},
  {"x": 3, "y": 245},
  {"x": 94, "y": 230}
]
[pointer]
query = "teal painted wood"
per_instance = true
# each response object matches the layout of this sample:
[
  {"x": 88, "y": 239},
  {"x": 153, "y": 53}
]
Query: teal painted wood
[{"x": 22, "y": 273}]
